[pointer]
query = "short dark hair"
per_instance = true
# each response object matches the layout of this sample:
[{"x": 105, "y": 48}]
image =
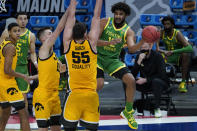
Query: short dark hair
[
  {"x": 121, "y": 6},
  {"x": 11, "y": 25},
  {"x": 168, "y": 18},
  {"x": 22, "y": 13},
  {"x": 79, "y": 30},
  {"x": 41, "y": 31}
]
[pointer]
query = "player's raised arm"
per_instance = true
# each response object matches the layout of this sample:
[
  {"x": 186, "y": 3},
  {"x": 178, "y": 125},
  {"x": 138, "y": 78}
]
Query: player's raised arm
[
  {"x": 58, "y": 30},
  {"x": 95, "y": 25},
  {"x": 32, "y": 50},
  {"x": 4, "y": 35},
  {"x": 69, "y": 24}
]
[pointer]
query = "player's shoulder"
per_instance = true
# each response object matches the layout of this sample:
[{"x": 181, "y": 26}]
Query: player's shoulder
[
  {"x": 32, "y": 35},
  {"x": 104, "y": 20}
]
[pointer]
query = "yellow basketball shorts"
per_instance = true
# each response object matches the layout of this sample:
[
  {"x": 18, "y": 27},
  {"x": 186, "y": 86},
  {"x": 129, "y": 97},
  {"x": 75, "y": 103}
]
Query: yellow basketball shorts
[
  {"x": 10, "y": 95},
  {"x": 47, "y": 107},
  {"x": 81, "y": 106}
]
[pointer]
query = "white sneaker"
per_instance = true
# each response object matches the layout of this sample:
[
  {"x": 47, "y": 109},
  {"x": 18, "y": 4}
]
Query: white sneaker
[{"x": 157, "y": 113}]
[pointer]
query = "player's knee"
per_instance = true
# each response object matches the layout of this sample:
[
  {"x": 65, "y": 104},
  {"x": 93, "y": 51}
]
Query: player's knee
[{"x": 128, "y": 79}]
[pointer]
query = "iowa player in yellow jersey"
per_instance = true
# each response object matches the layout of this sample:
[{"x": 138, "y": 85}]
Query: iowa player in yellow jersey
[
  {"x": 10, "y": 94},
  {"x": 46, "y": 101},
  {"x": 82, "y": 101},
  {"x": 25, "y": 44}
]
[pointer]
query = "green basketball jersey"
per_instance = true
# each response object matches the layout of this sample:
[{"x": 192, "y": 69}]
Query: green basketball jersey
[
  {"x": 22, "y": 48},
  {"x": 171, "y": 43},
  {"x": 110, "y": 32}
]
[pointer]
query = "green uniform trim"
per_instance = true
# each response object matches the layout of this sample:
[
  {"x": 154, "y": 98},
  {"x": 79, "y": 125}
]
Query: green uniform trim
[{"x": 186, "y": 49}]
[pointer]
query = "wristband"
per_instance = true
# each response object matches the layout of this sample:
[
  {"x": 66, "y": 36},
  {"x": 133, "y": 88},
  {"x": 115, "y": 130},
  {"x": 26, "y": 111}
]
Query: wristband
[{"x": 35, "y": 62}]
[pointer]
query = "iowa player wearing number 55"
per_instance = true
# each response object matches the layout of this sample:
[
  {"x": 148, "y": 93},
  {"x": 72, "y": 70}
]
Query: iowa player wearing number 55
[
  {"x": 46, "y": 101},
  {"x": 82, "y": 101},
  {"x": 10, "y": 94}
]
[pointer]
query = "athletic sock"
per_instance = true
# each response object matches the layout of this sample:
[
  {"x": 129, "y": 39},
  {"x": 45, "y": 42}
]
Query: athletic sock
[{"x": 129, "y": 106}]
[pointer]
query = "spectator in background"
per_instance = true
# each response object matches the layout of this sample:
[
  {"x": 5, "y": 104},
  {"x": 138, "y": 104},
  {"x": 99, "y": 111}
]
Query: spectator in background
[
  {"x": 153, "y": 76},
  {"x": 177, "y": 50},
  {"x": 25, "y": 44}
]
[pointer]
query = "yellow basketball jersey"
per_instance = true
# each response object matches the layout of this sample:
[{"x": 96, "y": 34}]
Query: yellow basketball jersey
[
  {"x": 48, "y": 72},
  {"x": 4, "y": 78},
  {"x": 82, "y": 66}
]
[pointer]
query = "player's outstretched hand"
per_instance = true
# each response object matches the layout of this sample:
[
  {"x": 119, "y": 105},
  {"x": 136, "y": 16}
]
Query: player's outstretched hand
[{"x": 168, "y": 53}]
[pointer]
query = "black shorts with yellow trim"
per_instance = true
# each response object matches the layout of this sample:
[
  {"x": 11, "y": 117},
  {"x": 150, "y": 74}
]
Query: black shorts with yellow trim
[{"x": 118, "y": 74}]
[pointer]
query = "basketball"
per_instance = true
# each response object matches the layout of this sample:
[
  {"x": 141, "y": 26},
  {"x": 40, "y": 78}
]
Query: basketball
[{"x": 150, "y": 34}]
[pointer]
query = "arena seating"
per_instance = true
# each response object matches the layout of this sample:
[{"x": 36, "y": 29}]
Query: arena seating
[
  {"x": 37, "y": 22},
  {"x": 182, "y": 5}
]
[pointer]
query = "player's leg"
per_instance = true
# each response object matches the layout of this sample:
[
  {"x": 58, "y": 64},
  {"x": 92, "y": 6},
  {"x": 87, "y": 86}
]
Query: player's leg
[
  {"x": 22, "y": 84},
  {"x": 42, "y": 108},
  {"x": 91, "y": 111},
  {"x": 71, "y": 112},
  {"x": 120, "y": 71},
  {"x": 100, "y": 72},
  {"x": 5, "y": 113},
  {"x": 185, "y": 59},
  {"x": 55, "y": 112},
  {"x": 100, "y": 79},
  {"x": 24, "y": 119},
  {"x": 18, "y": 103}
]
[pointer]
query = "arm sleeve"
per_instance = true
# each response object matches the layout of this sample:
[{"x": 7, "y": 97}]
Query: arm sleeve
[{"x": 186, "y": 49}]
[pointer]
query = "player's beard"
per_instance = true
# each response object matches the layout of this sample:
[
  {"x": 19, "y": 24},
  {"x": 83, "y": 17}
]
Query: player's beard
[
  {"x": 168, "y": 30},
  {"x": 119, "y": 25}
]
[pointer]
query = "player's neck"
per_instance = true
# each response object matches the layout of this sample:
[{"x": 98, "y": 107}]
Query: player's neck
[
  {"x": 23, "y": 30},
  {"x": 12, "y": 41},
  {"x": 119, "y": 25},
  {"x": 170, "y": 33},
  {"x": 79, "y": 41}
]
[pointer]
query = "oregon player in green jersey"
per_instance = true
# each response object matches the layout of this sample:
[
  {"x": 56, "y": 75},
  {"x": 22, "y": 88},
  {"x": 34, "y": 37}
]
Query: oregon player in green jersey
[
  {"x": 177, "y": 48},
  {"x": 108, "y": 55},
  {"x": 25, "y": 44}
]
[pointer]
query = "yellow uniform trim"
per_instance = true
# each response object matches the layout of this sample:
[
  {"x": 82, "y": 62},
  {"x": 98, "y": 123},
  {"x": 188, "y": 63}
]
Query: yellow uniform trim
[
  {"x": 99, "y": 67},
  {"x": 107, "y": 23},
  {"x": 24, "y": 33},
  {"x": 29, "y": 37},
  {"x": 117, "y": 69},
  {"x": 116, "y": 28},
  {"x": 28, "y": 89},
  {"x": 125, "y": 34}
]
